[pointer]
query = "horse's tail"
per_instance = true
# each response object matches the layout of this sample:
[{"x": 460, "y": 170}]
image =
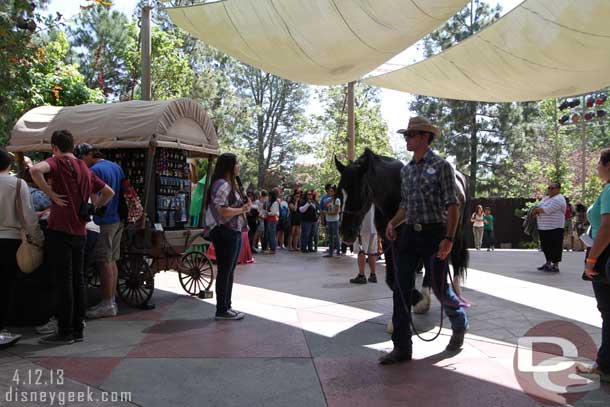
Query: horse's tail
[{"x": 459, "y": 252}]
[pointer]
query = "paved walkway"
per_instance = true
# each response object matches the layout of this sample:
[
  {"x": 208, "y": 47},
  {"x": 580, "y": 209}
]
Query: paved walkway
[{"x": 309, "y": 339}]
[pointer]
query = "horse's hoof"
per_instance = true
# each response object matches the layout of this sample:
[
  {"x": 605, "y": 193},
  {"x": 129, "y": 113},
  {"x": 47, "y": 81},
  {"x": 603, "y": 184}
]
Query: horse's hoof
[
  {"x": 390, "y": 328},
  {"x": 423, "y": 305}
]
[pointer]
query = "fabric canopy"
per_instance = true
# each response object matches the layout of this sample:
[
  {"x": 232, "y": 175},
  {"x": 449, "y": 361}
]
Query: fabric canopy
[
  {"x": 321, "y": 42},
  {"x": 541, "y": 49},
  {"x": 179, "y": 123}
]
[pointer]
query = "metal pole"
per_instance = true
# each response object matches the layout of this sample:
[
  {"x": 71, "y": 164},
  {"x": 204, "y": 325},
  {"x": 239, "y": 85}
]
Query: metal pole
[
  {"x": 584, "y": 148},
  {"x": 351, "y": 122},
  {"x": 146, "y": 53}
]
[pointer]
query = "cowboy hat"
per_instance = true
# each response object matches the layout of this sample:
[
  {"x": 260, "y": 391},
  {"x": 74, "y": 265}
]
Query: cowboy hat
[{"x": 420, "y": 124}]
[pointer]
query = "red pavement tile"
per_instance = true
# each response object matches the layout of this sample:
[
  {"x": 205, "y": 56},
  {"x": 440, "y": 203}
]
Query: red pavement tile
[
  {"x": 250, "y": 337},
  {"x": 93, "y": 371},
  {"x": 363, "y": 382}
]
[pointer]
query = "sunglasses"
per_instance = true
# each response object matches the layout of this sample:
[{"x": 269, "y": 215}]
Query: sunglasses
[{"x": 410, "y": 135}]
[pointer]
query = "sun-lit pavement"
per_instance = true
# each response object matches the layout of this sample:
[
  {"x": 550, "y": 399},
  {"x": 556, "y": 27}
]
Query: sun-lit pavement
[{"x": 312, "y": 339}]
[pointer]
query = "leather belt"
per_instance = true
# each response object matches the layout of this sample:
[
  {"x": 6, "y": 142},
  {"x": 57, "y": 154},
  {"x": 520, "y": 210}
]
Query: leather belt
[{"x": 424, "y": 227}]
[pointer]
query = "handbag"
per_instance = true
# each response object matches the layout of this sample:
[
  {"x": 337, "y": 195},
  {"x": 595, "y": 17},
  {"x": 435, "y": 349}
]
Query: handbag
[{"x": 29, "y": 255}]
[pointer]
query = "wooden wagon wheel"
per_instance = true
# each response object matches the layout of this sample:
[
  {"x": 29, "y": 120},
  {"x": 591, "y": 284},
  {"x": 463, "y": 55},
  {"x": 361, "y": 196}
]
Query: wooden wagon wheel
[
  {"x": 196, "y": 273},
  {"x": 136, "y": 281}
]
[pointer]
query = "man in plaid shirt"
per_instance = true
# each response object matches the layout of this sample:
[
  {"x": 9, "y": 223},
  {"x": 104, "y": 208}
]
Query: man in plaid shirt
[{"x": 429, "y": 207}]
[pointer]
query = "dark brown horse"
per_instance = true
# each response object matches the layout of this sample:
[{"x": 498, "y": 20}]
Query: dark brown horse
[{"x": 374, "y": 179}]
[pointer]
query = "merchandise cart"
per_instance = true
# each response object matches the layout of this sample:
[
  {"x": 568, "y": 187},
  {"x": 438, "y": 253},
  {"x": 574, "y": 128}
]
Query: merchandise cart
[{"x": 153, "y": 141}]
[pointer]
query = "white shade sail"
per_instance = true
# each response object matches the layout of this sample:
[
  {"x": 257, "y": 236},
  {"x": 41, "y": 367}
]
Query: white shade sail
[
  {"x": 322, "y": 42},
  {"x": 541, "y": 49}
]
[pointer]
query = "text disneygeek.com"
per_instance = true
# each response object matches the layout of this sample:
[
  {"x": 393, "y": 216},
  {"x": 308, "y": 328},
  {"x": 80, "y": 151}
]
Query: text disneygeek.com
[
  {"x": 42, "y": 380},
  {"x": 61, "y": 398}
]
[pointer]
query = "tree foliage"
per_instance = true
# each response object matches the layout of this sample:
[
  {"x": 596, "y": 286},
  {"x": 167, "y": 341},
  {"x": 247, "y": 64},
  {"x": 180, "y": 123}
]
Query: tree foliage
[{"x": 331, "y": 127}]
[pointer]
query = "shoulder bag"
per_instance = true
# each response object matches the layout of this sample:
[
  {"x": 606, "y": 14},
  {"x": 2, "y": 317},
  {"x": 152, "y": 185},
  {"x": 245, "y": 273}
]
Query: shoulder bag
[{"x": 29, "y": 255}]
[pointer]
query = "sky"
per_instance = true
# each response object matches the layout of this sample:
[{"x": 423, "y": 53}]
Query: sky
[{"x": 394, "y": 104}]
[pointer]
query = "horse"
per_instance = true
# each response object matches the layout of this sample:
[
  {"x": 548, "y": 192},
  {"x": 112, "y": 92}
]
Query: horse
[{"x": 375, "y": 180}]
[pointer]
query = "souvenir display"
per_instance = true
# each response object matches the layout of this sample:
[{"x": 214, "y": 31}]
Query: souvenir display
[
  {"x": 133, "y": 164},
  {"x": 173, "y": 187}
]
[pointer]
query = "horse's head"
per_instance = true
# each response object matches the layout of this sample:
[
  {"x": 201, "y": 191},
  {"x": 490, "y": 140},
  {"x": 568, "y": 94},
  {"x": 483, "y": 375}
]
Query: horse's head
[{"x": 356, "y": 194}]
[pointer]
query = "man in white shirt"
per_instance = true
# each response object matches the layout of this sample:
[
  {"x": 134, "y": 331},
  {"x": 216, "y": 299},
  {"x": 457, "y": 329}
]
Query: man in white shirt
[{"x": 551, "y": 217}]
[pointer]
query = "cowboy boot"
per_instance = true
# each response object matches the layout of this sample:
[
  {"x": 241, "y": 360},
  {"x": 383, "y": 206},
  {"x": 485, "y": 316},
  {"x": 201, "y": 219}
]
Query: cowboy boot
[{"x": 423, "y": 305}]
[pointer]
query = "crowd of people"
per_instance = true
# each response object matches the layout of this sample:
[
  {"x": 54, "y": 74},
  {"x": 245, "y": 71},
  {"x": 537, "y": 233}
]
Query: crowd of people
[
  {"x": 58, "y": 198},
  {"x": 283, "y": 220},
  {"x": 54, "y": 203}
]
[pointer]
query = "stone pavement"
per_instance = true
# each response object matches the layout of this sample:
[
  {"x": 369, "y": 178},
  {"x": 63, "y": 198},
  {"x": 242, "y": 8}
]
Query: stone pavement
[{"x": 309, "y": 339}]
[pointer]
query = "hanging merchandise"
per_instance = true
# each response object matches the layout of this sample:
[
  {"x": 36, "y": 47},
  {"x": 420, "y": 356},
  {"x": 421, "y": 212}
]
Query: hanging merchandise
[
  {"x": 173, "y": 187},
  {"x": 601, "y": 99},
  {"x": 575, "y": 118},
  {"x": 564, "y": 105},
  {"x": 564, "y": 119},
  {"x": 590, "y": 101},
  {"x": 601, "y": 113},
  {"x": 589, "y": 116}
]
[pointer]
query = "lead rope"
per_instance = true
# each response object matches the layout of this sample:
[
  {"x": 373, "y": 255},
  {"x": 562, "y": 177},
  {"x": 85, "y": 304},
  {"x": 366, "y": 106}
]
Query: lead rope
[{"x": 443, "y": 288}]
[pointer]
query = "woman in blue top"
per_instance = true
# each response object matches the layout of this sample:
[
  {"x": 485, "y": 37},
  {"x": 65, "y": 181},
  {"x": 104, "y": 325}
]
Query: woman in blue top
[
  {"x": 595, "y": 265},
  {"x": 226, "y": 217}
]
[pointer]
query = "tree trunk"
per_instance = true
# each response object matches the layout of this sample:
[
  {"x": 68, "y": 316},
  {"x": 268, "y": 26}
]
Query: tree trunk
[{"x": 473, "y": 149}]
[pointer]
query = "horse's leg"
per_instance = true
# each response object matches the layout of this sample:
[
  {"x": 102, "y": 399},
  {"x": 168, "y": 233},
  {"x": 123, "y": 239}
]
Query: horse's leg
[{"x": 421, "y": 300}]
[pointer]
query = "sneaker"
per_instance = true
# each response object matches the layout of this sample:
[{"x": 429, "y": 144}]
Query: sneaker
[
  {"x": 79, "y": 336},
  {"x": 552, "y": 269},
  {"x": 456, "y": 342},
  {"x": 328, "y": 255},
  {"x": 373, "y": 278},
  {"x": 102, "y": 310},
  {"x": 359, "y": 279},
  {"x": 48, "y": 328},
  {"x": 396, "y": 356},
  {"x": 229, "y": 315},
  {"x": 8, "y": 339},
  {"x": 57, "y": 339},
  {"x": 592, "y": 373},
  {"x": 544, "y": 267}
]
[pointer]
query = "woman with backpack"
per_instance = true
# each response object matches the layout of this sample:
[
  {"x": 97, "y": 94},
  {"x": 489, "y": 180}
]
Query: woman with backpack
[{"x": 283, "y": 225}]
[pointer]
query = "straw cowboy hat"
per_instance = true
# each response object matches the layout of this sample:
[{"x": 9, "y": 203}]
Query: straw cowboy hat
[{"x": 420, "y": 124}]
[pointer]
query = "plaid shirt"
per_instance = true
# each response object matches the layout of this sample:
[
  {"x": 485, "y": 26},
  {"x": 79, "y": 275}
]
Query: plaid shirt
[{"x": 427, "y": 188}]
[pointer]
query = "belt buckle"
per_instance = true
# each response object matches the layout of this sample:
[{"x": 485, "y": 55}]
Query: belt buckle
[{"x": 417, "y": 227}]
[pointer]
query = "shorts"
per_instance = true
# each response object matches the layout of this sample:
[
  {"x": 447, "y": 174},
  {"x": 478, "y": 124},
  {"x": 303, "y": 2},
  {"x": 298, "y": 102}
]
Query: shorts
[
  {"x": 108, "y": 247},
  {"x": 366, "y": 244}
]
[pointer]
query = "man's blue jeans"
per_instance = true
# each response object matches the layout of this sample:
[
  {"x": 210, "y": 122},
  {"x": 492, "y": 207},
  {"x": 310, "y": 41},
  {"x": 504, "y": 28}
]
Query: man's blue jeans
[
  {"x": 602, "y": 294},
  {"x": 332, "y": 232},
  {"x": 414, "y": 247}
]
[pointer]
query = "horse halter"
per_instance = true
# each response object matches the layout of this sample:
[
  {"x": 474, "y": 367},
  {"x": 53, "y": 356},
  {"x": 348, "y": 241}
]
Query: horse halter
[{"x": 366, "y": 196}]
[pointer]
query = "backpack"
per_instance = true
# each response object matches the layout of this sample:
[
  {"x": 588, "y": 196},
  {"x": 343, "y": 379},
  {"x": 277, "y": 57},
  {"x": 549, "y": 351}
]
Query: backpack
[{"x": 283, "y": 212}]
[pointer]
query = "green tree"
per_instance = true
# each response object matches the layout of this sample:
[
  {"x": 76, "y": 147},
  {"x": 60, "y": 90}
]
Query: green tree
[
  {"x": 471, "y": 130},
  {"x": 331, "y": 126},
  {"x": 100, "y": 38},
  {"x": 42, "y": 77},
  {"x": 19, "y": 21},
  {"x": 172, "y": 76},
  {"x": 278, "y": 118}
]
